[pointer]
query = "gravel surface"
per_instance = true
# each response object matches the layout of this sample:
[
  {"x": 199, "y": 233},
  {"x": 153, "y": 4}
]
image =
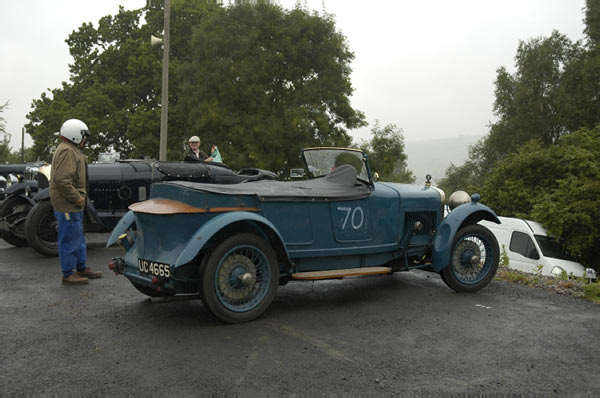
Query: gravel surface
[{"x": 393, "y": 335}]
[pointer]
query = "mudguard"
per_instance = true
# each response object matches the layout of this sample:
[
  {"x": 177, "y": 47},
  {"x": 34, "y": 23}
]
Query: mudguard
[
  {"x": 121, "y": 227},
  {"x": 208, "y": 230},
  {"x": 25, "y": 189},
  {"x": 469, "y": 213},
  {"x": 41, "y": 195}
]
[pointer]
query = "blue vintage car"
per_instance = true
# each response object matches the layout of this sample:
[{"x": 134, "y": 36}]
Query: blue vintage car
[{"x": 233, "y": 245}]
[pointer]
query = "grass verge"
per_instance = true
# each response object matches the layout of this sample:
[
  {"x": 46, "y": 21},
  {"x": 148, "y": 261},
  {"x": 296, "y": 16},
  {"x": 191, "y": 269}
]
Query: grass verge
[{"x": 577, "y": 287}]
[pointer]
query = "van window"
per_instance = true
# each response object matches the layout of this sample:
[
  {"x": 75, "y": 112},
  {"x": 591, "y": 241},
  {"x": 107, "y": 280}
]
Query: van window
[
  {"x": 551, "y": 248},
  {"x": 521, "y": 243}
]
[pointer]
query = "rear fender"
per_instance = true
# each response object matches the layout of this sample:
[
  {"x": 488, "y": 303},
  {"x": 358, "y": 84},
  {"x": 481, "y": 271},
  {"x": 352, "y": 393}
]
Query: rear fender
[
  {"x": 204, "y": 234},
  {"x": 463, "y": 215},
  {"x": 121, "y": 227}
]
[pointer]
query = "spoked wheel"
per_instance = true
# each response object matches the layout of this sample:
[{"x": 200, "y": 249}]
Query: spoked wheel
[
  {"x": 41, "y": 229},
  {"x": 474, "y": 259},
  {"x": 14, "y": 211},
  {"x": 240, "y": 278}
]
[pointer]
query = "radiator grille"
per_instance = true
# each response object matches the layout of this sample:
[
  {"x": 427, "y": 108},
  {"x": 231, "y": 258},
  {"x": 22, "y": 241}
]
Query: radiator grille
[{"x": 427, "y": 218}]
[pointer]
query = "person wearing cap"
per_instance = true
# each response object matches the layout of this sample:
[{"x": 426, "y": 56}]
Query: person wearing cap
[
  {"x": 194, "y": 153},
  {"x": 68, "y": 192}
]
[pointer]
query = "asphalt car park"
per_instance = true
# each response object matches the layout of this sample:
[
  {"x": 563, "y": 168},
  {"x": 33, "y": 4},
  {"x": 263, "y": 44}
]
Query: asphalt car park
[{"x": 406, "y": 333}]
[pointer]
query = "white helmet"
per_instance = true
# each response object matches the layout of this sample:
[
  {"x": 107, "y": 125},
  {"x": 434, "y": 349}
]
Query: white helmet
[{"x": 74, "y": 130}]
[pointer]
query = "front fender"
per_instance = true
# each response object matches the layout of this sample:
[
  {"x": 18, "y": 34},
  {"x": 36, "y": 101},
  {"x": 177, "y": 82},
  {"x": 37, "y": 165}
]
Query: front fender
[
  {"x": 121, "y": 227},
  {"x": 208, "y": 230},
  {"x": 42, "y": 195},
  {"x": 466, "y": 214}
]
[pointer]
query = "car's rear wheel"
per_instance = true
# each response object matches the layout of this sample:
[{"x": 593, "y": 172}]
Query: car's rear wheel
[
  {"x": 240, "y": 278},
  {"x": 41, "y": 229},
  {"x": 14, "y": 211},
  {"x": 474, "y": 259}
]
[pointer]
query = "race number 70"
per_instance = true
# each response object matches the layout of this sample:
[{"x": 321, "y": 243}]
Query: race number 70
[{"x": 356, "y": 217}]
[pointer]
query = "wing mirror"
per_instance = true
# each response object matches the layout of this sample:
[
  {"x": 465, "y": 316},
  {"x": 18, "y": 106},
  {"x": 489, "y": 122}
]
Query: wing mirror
[{"x": 297, "y": 173}]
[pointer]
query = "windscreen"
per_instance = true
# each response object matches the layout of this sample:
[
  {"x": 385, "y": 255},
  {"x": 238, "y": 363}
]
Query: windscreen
[
  {"x": 551, "y": 248},
  {"x": 321, "y": 162}
]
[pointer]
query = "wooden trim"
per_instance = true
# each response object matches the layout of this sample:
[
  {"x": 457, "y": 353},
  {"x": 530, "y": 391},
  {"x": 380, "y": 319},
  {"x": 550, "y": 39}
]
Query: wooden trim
[
  {"x": 168, "y": 206},
  {"x": 341, "y": 273}
]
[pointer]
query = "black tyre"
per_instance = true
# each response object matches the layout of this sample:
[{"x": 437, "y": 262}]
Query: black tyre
[
  {"x": 14, "y": 211},
  {"x": 148, "y": 291},
  {"x": 41, "y": 229},
  {"x": 240, "y": 278},
  {"x": 474, "y": 259}
]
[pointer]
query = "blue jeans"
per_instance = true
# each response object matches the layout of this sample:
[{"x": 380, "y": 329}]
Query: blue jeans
[{"x": 71, "y": 242}]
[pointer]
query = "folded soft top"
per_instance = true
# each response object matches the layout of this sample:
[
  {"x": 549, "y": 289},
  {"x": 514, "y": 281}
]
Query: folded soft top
[{"x": 340, "y": 184}]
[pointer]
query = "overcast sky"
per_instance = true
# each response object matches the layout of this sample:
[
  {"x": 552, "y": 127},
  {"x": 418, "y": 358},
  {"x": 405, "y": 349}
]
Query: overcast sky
[{"x": 426, "y": 66}]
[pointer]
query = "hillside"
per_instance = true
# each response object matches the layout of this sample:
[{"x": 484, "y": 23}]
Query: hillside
[{"x": 434, "y": 156}]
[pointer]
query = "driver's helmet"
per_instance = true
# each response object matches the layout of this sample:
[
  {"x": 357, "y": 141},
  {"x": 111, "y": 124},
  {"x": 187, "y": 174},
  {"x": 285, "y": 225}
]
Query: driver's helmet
[
  {"x": 348, "y": 158},
  {"x": 74, "y": 130}
]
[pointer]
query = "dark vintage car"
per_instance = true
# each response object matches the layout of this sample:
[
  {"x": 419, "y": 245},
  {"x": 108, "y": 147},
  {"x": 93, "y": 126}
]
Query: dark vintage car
[
  {"x": 16, "y": 196},
  {"x": 232, "y": 245},
  {"x": 11, "y": 174},
  {"x": 27, "y": 217}
]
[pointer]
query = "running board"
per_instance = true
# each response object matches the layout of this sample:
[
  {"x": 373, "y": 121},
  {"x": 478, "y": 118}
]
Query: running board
[{"x": 340, "y": 273}]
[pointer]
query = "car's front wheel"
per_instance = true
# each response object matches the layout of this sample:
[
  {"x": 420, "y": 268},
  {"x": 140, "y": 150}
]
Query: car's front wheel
[
  {"x": 474, "y": 259},
  {"x": 240, "y": 278},
  {"x": 41, "y": 229},
  {"x": 14, "y": 211}
]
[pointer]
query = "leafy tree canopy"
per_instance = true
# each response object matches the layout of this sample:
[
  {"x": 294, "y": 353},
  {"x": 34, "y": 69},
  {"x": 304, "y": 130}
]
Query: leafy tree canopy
[
  {"x": 263, "y": 83},
  {"x": 554, "y": 91},
  {"x": 557, "y": 185},
  {"x": 386, "y": 154},
  {"x": 259, "y": 81},
  {"x": 5, "y": 155}
]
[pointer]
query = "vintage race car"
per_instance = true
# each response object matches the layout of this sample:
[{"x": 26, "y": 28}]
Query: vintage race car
[
  {"x": 11, "y": 174},
  {"x": 232, "y": 245},
  {"x": 27, "y": 217}
]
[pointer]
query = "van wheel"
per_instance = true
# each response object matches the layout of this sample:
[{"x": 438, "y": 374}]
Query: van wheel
[
  {"x": 240, "y": 278},
  {"x": 474, "y": 259}
]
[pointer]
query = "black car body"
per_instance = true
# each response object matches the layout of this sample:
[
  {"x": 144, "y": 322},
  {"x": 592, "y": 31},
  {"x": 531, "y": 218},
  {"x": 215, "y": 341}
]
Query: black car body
[{"x": 27, "y": 217}]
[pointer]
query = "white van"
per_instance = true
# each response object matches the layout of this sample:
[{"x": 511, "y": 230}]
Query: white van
[{"x": 528, "y": 245}]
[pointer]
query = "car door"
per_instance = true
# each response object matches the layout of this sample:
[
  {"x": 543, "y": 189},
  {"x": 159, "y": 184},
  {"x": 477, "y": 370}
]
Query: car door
[
  {"x": 522, "y": 252},
  {"x": 351, "y": 221}
]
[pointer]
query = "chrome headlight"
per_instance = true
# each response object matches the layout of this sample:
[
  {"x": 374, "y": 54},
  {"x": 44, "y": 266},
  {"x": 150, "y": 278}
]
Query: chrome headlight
[{"x": 458, "y": 198}]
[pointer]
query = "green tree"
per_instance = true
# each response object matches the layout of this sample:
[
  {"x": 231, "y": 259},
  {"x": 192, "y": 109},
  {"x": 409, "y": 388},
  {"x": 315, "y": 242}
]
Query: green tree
[
  {"x": 113, "y": 88},
  {"x": 531, "y": 103},
  {"x": 5, "y": 155},
  {"x": 557, "y": 185},
  {"x": 264, "y": 82},
  {"x": 258, "y": 81},
  {"x": 386, "y": 154}
]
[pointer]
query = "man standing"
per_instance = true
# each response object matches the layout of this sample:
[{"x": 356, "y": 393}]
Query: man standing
[{"x": 68, "y": 184}]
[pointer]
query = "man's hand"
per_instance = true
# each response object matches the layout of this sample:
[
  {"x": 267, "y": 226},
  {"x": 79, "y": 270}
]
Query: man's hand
[{"x": 80, "y": 202}]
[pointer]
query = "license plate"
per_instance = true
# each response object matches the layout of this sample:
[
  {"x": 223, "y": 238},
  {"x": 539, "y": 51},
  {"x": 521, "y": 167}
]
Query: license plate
[{"x": 154, "y": 268}]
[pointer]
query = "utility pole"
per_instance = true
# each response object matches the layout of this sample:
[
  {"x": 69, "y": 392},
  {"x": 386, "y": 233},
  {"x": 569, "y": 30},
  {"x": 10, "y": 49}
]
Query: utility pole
[
  {"x": 23, "y": 131},
  {"x": 164, "y": 110}
]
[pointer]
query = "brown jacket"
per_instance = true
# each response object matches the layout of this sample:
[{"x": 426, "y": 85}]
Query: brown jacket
[{"x": 68, "y": 178}]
